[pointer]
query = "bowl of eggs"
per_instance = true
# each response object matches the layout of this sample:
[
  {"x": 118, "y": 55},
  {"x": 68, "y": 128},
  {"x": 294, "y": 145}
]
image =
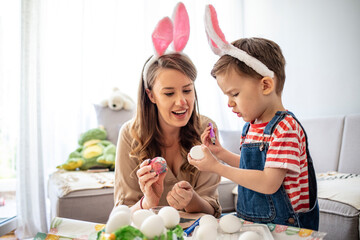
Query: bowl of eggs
[
  {"x": 229, "y": 227},
  {"x": 142, "y": 224},
  {"x": 156, "y": 209}
]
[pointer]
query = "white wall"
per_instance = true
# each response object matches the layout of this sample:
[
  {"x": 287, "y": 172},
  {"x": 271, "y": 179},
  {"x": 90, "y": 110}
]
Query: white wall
[{"x": 320, "y": 40}]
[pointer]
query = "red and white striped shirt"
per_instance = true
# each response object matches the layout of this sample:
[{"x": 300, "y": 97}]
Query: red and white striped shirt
[{"x": 287, "y": 150}]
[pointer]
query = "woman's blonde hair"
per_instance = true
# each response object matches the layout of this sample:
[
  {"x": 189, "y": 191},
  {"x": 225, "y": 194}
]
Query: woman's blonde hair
[{"x": 147, "y": 137}]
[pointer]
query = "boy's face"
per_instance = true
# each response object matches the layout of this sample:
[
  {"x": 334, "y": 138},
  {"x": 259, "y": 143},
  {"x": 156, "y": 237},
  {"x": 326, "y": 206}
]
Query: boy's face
[{"x": 245, "y": 95}]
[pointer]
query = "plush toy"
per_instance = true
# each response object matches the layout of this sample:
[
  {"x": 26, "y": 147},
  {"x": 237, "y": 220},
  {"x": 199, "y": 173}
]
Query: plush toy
[
  {"x": 118, "y": 100},
  {"x": 94, "y": 151}
]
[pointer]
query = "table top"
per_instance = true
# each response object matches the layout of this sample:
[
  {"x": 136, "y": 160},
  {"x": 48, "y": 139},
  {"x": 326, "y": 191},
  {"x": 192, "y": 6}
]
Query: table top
[{"x": 62, "y": 228}]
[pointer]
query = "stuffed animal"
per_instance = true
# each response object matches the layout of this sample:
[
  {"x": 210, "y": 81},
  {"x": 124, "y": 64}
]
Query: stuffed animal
[
  {"x": 118, "y": 100},
  {"x": 94, "y": 151}
]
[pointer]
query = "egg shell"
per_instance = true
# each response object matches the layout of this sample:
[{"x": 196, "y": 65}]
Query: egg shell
[
  {"x": 158, "y": 165},
  {"x": 120, "y": 208},
  {"x": 170, "y": 216},
  {"x": 117, "y": 220},
  {"x": 139, "y": 216},
  {"x": 206, "y": 232},
  {"x": 196, "y": 152},
  {"x": 250, "y": 235},
  {"x": 230, "y": 223},
  {"x": 152, "y": 226},
  {"x": 209, "y": 220}
]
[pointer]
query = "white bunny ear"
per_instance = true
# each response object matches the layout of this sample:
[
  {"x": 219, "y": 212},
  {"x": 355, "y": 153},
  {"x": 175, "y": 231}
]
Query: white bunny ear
[
  {"x": 162, "y": 35},
  {"x": 181, "y": 27},
  {"x": 213, "y": 46},
  {"x": 216, "y": 37},
  {"x": 220, "y": 46}
]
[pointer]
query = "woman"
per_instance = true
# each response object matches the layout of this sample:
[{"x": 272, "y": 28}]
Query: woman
[{"x": 166, "y": 124}]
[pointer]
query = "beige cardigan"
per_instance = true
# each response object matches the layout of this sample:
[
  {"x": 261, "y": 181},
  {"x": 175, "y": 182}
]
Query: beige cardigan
[{"x": 127, "y": 190}]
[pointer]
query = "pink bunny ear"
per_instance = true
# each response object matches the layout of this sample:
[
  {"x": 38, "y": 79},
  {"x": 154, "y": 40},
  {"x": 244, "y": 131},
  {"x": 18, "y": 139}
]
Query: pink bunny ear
[
  {"x": 215, "y": 36},
  {"x": 221, "y": 47},
  {"x": 162, "y": 35},
  {"x": 181, "y": 27},
  {"x": 215, "y": 23}
]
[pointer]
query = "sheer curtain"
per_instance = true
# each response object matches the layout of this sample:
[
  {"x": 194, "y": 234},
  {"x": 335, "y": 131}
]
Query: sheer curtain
[
  {"x": 73, "y": 53},
  {"x": 31, "y": 186}
]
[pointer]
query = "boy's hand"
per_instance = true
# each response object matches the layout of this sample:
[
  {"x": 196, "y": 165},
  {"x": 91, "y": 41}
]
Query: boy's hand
[
  {"x": 207, "y": 163},
  {"x": 180, "y": 195},
  {"x": 151, "y": 184},
  {"x": 206, "y": 140}
]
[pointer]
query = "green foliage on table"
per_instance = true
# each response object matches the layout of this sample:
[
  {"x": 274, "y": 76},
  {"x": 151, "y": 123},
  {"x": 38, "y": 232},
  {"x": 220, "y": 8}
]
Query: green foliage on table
[{"x": 128, "y": 233}]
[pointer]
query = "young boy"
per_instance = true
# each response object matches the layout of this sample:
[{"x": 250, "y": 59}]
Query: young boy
[{"x": 274, "y": 171}]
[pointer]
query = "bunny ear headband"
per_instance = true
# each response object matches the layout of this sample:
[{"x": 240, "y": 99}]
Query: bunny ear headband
[
  {"x": 167, "y": 31},
  {"x": 220, "y": 46}
]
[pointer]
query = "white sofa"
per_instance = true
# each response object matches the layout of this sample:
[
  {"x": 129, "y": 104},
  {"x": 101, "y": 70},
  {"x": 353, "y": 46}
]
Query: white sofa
[{"x": 333, "y": 142}]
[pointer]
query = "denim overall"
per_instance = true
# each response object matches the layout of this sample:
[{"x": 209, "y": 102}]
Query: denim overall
[{"x": 273, "y": 208}]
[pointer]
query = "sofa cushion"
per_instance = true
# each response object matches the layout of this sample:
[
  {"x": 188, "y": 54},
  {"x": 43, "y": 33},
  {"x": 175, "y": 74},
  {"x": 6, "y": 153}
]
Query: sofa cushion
[
  {"x": 92, "y": 205},
  {"x": 226, "y": 197},
  {"x": 324, "y": 137},
  {"x": 338, "y": 220},
  {"x": 81, "y": 195},
  {"x": 340, "y": 187},
  {"x": 349, "y": 156}
]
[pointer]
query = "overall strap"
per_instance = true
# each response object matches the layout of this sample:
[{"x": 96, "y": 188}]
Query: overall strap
[
  {"x": 245, "y": 129},
  {"x": 270, "y": 127}
]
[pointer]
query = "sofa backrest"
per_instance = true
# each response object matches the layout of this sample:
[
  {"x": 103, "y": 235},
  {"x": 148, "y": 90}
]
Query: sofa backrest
[
  {"x": 112, "y": 120},
  {"x": 230, "y": 140},
  {"x": 349, "y": 155},
  {"x": 324, "y": 137}
]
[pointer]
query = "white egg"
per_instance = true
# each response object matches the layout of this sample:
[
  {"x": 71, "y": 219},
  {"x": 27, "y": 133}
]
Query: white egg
[
  {"x": 120, "y": 208},
  {"x": 152, "y": 226},
  {"x": 139, "y": 216},
  {"x": 117, "y": 220},
  {"x": 208, "y": 220},
  {"x": 230, "y": 223},
  {"x": 170, "y": 216},
  {"x": 250, "y": 235},
  {"x": 206, "y": 232},
  {"x": 196, "y": 152}
]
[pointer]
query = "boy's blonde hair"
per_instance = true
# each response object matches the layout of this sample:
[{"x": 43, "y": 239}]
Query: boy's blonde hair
[{"x": 266, "y": 51}]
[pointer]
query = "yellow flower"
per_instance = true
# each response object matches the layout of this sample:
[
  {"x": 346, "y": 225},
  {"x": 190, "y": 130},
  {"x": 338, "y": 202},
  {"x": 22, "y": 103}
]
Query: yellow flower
[
  {"x": 305, "y": 232},
  {"x": 52, "y": 237},
  {"x": 99, "y": 227}
]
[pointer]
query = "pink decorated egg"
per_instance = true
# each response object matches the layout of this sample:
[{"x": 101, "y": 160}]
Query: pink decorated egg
[{"x": 158, "y": 165}]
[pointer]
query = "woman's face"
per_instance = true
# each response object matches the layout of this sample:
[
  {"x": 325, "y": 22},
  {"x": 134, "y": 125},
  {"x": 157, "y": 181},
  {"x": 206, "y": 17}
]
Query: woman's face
[{"x": 174, "y": 95}]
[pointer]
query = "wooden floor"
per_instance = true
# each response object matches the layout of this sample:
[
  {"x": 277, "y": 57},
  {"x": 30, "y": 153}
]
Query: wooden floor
[{"x": 9, "y": 236}]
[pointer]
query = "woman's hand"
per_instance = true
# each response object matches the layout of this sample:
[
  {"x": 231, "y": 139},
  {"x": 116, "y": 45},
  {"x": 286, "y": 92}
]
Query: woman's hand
[
  {"x": 208, "y": 163},
  {"x": 206, "y": 140},
  {"x": 151, "y": 184},
  {"x": 180, "y": 195}
]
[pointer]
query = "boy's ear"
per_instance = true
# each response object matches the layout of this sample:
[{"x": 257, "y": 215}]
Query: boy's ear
[
  {"x": 150, "y": 95},
  {"x": 267, "y": 85}
]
